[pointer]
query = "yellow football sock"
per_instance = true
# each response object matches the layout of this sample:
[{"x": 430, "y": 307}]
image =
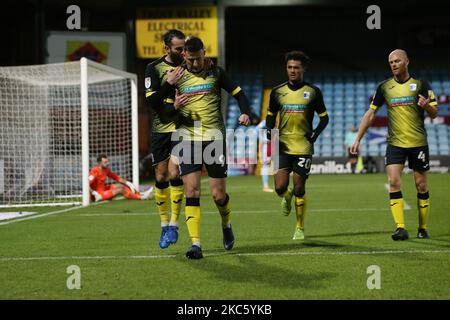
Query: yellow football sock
[
  {"x": 396, "y": 203},
  {"x": 192, "y": 212},
  {"x": 225, "y": 212},
  {"x": 287, "y": 194},
  {"x": 423, "y": 205},
  {"x": 300, "y": 210},
  {"x": 162, "y": 197},
  {"x": 176, "y": 195}
]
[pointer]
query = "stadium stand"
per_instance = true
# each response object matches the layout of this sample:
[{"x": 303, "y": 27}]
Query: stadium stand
[
  {"x": 347, "y": 97},
  {"x": 252, "y": 84}
]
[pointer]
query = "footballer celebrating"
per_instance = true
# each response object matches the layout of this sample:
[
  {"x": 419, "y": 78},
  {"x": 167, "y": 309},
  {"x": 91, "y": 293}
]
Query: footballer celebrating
[
  {"x": 198, "y": 99},
  {"x": 160, "y": 78}
]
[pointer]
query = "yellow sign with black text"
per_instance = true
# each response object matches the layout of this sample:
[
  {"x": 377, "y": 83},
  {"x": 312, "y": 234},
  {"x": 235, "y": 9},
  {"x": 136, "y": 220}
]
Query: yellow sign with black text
[{"x": 193, "y": 21}]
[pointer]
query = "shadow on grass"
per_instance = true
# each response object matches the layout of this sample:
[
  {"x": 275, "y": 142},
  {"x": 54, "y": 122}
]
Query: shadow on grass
[
  {"x": 434, "y": 241},
  {"x": 280, "y": 247},
  {"x": 241, "y": 267},
  {"x": 255, "y": 271},
  {"x": 349, "y": 234}
]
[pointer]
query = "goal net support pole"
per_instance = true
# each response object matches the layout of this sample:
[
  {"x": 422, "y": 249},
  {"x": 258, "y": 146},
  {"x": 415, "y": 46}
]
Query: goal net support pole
[
  {"x": 55, "y": 119},
  {"x": 84, "y": 63}
]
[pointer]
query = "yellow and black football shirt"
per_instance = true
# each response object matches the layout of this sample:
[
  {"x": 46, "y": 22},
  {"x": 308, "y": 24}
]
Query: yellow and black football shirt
[
  {"x": 158, "y": 91},
  {"x": 296, "y": 105},
  {"x": 406, "y": 127},
  {"x": 201, "y": 118}
]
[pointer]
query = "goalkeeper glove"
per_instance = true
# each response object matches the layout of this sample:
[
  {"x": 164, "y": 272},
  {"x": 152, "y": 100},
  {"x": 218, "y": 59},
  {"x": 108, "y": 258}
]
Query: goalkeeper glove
[
  {"x": 97, "y": 196},
  {"x": 131, "y": 186}
]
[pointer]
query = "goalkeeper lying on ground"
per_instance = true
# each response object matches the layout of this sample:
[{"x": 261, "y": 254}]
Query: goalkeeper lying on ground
[{"x": 101, "y": 191}]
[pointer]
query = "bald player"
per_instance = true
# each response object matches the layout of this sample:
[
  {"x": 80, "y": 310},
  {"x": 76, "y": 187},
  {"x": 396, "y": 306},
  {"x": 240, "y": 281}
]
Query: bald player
[{"x": 407, "y": 100}]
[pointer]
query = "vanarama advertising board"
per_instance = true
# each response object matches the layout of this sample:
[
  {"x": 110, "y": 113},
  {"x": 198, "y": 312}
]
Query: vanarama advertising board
[{"x": 152, "y": 23}]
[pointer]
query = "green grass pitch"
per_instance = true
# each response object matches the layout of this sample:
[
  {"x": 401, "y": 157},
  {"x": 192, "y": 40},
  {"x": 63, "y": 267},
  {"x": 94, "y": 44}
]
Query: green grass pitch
[{"x": 348, "y": 228}]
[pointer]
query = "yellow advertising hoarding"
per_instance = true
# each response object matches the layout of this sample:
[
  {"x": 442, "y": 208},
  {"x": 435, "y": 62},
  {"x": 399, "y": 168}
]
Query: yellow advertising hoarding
[{"x": 151, "y": 25}]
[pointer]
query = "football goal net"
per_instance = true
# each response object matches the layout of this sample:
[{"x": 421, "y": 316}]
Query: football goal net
[{"x": 55, "y": 119}]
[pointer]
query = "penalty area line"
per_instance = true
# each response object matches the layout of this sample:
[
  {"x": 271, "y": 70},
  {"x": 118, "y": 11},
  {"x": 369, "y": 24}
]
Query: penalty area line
[{"x": 40, "y": 215}]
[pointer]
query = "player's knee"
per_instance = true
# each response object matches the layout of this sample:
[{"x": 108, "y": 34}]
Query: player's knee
[
  {"x": 120, "y": 188},
  {"x": 299, "y": 191},
  {"x": 280, "y": 189},
  {"x": 219, "y": 195},
  {"x": 192, "y": 192},
  {"x": 421, "y": 186},
  {"x": 395, "y": 183},
  {"x": 161, "y": 176},
  {"x": 174, "y": 174}
]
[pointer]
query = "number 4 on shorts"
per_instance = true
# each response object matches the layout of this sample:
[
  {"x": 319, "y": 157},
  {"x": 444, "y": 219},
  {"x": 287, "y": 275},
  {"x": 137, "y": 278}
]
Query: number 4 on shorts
[{"x": 421, "y": 156}]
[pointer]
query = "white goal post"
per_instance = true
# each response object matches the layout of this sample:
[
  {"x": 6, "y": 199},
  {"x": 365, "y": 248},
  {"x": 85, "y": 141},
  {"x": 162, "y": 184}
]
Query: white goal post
[{"x": 55, "y": 119}]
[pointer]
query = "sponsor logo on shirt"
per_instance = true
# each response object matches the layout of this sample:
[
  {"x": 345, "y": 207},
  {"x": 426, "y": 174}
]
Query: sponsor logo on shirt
[
  {"x": 294, "y": 108},
  {"x": 402, "y": 101},
  {"x": 198, "y": 89}
]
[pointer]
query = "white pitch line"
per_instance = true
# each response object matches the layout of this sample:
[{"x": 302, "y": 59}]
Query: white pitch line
[
  {"x": 170, "y": 256},
  {"x": 36, "y": 216},
  {"x": 405, "y": 204},
  {"x": 342, "y": 253},
  {"x": 234, "y": 211}
]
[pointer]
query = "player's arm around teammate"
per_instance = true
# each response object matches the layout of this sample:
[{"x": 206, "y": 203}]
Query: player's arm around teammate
[
  {"x": 205, "y": 142},
  {"x": 161, "y": 77}
]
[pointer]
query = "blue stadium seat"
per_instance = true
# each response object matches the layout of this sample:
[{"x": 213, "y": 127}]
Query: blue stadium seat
[
  {"x": 433, "y": 149},
  {"x": 360, "y": 91},
  {"x": 359, "y": 113},
  {"x": 338, "y": 107},
  {"x": 349, "y": 118},
  {"x": 339, "y": 99},
  {"x": 444, "y": 152},
  {"x": 374, "y": 150},
  {"x": 338, "y": 130},
  {"x": 326, "y": 150},
  {"x": 347, "y": 97},
  {"x": 361, "y": 98},
  {"x": 339, "y": 113}
]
